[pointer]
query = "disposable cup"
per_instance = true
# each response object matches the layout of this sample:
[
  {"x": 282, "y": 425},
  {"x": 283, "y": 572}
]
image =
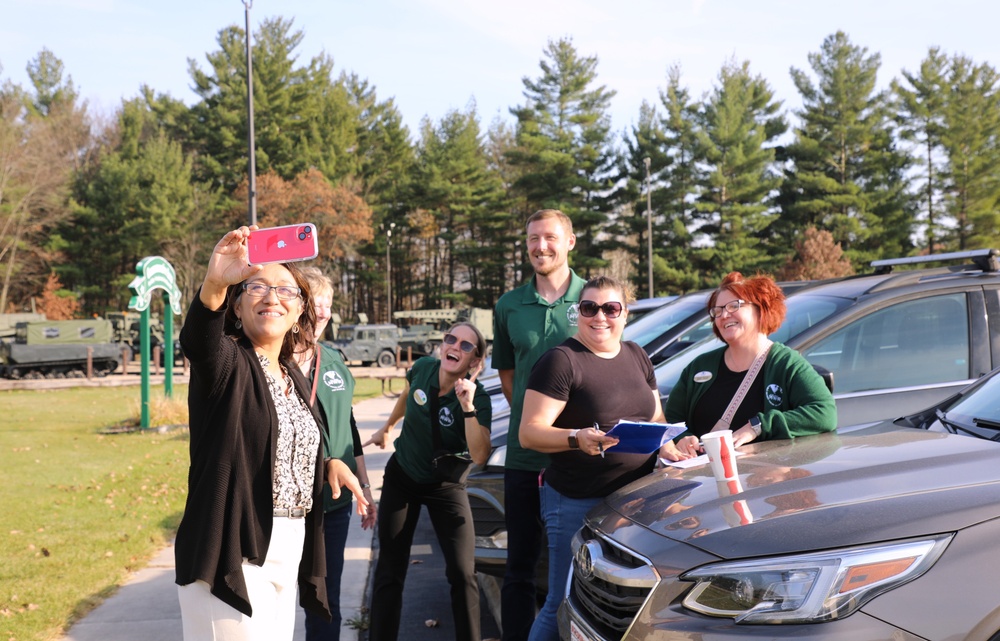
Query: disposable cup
[{"x": 721, "y": 454}]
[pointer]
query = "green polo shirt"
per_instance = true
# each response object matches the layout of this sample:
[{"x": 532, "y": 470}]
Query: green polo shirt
[
  {"x": 415, "y": 444},
  {"x": 335, "y": 393},
  {"x": 525, "y": 326}
]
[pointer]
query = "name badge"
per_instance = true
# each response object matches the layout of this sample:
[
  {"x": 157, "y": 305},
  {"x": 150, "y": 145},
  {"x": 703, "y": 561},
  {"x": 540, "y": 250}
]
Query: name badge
[
  {"x": 702, "y": 377},
  {"x": 420, "y": 396}
]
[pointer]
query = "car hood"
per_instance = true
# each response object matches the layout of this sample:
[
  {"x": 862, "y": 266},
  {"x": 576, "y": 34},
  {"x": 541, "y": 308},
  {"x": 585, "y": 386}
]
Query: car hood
[{"x": 878, "y": 483}]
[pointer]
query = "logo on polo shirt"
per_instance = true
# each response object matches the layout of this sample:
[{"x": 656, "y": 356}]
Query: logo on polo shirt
[
  {"x": 445, "y": 417},
  {"x": 573, "y": 314},
  {"x": 334, "y": 381},
  {"x": 774, "y": 394}
]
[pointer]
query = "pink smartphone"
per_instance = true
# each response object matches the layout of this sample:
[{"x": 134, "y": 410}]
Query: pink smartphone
[{"x": 285, "y": 244}]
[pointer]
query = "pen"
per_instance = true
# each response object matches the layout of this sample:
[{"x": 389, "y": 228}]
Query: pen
[{"x": 600, "y": 445}]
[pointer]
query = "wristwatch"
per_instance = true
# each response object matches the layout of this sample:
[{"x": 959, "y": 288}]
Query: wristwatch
[
  {"x": 755, "y": 425},
  {"x": 573, "y": 445}
]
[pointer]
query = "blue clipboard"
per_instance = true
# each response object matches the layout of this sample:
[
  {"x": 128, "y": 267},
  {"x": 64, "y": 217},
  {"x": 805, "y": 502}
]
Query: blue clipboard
[{"x": 643, "y": 438}]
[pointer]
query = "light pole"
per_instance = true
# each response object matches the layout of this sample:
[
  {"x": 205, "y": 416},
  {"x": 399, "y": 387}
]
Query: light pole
[
  {"x": 251, "y": 160},
  {"x": 649, "y": 228},
  {"x": 388, "y": 267}
]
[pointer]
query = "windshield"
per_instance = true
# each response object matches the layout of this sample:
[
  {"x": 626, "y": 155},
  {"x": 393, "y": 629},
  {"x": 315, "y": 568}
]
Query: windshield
[
  {"x": 803, "y": 311},
  {"x": 345, "y": 334},
  {"x": 655, "y": 323}
]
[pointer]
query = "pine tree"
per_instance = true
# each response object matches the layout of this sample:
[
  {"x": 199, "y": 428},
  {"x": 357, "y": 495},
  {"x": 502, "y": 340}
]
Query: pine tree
[
  {"x": 846, "y": 176},
  {"x": 565, "y": 144},
  {"x": 737, "y": 122},
  {"x": 971, "y": 139},
  {"x": 920, "y": 114}
]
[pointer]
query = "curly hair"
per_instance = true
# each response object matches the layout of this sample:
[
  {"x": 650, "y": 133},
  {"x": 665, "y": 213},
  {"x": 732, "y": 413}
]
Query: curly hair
[
  {"x": 294, "y": 342},
  {"x": 762, "y": 291}
]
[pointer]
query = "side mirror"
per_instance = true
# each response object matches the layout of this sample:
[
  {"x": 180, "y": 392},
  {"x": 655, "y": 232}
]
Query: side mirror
[{"x": 827, "y": 376}]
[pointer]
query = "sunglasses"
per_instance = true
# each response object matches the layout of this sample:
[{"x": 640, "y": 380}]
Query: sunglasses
[
  {"x": 589, "y": 309},
  {"x": 465, "y": 346}
]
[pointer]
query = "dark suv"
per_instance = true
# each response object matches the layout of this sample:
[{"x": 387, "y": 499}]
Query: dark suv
[
  {"x": 886, "y": 531},
  {"x": 892, "y": 341}
]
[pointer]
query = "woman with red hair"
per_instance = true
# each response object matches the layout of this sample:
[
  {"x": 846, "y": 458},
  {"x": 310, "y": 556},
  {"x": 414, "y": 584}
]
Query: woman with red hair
[{"x": 753, "y": 386}]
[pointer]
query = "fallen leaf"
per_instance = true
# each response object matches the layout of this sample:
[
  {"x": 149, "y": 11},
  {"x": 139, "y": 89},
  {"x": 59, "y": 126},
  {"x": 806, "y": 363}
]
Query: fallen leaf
[
  {"x": 415, "y": 561},
  {"x": 431, "y": 623}
]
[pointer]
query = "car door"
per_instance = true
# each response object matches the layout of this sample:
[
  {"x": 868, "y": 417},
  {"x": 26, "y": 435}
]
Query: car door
[{"x": 899, "y": 357}]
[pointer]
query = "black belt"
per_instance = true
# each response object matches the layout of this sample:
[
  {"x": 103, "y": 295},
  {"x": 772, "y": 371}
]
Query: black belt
[{"x": 291, "y": 512}]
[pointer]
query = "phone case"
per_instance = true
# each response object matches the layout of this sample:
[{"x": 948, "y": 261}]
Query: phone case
[{"x": 285, "y": 244}]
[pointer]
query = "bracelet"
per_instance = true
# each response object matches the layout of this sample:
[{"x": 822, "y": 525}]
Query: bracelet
[
  {"x": 470, "y": 414},
  {"x": 366, "y": 486}
]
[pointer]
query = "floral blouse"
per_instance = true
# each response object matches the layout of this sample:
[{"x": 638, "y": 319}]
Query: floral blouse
[{"x": 298, "y": 442}]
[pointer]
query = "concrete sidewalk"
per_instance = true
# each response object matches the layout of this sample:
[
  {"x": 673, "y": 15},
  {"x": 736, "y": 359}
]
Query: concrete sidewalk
[{"x": 146, "y": 606}]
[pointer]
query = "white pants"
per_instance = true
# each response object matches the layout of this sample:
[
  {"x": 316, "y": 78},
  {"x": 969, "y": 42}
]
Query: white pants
[{"x": 272, "y": 589}]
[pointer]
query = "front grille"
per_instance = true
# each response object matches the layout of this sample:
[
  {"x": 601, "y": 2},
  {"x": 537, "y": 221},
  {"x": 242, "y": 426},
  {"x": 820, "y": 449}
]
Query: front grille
[
  {"x": 611, "y": 590},
  {"x": 486, "y": 518}
]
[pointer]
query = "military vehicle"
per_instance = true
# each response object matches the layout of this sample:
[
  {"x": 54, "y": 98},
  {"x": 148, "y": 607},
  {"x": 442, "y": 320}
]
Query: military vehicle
[
  {"x": 59, "y": 349},
  {"x": 126, "y": 331},
  {"x": 8, "y": 323},
  {"x": 429, "y": 325},
  {"x": 370, "y": 344}
]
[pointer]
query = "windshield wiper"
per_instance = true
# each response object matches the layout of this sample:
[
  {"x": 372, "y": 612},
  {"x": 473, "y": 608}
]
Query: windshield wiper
[
  {"x": 952, "y": 426},
  {"x": 987, "y": 422}
]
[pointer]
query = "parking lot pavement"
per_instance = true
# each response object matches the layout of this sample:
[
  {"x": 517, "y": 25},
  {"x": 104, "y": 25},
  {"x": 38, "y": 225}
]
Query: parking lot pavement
[{"x": 146, "y": 606}]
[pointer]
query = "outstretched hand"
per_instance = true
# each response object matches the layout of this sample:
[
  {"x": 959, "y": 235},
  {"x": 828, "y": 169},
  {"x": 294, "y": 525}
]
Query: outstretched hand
[{"x": 229, "y": 262}]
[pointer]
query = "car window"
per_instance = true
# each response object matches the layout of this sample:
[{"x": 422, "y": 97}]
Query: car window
[
  {"x": 655, "y": 323},
  {"x": 919, "y": 342}
]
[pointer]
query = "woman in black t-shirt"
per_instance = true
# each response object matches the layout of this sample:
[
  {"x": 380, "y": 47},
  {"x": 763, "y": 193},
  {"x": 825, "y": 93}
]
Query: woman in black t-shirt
[{"x": 575, "y": 392}]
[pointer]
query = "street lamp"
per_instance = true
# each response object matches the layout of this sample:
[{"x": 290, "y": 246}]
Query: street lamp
[
  {"x": 649, "y": 228},
  {"x": 251, "y": 160},
  {"x": 388, "y": 267}
]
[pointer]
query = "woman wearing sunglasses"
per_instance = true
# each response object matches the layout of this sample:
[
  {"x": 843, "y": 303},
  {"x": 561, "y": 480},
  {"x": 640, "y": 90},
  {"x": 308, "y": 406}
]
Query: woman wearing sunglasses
[
  {"x": 753, "y": 386},
  {"x": 444, "y": 409},
  {"x": 576, "y": 392}
]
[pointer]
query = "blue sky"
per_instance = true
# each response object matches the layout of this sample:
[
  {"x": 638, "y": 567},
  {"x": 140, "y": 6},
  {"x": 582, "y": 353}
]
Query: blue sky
[{"x": 436, "y": 55}]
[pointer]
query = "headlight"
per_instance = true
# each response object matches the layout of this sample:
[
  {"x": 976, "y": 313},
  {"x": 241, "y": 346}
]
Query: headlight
[
  {"x": 808, "y": 588},
  {"x": 498, "y": 457}
]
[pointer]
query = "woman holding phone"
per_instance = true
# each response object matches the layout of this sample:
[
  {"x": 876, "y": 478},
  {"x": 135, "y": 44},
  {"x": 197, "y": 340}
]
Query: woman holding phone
[
  {"x": 252, "y": 526},
  {"x": 444, "y": 410}
]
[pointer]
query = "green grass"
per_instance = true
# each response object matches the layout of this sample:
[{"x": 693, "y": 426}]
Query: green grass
[{"x": 82, "y": 509}]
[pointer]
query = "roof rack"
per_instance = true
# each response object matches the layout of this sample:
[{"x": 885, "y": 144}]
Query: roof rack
[{"x": 987, "y": 260}]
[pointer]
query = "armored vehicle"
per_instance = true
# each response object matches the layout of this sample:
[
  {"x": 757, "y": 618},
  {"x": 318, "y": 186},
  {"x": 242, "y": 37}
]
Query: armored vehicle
[
  {"x": 59, "y": 349},
  {"x": 370, "y": 344},
  {"x": 427, "y": 332}
]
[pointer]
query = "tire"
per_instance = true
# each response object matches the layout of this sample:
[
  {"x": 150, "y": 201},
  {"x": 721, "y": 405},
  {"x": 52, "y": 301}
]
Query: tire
[
  {"x": 427, "y": 348},
  {"x": 386, "y": 359}
]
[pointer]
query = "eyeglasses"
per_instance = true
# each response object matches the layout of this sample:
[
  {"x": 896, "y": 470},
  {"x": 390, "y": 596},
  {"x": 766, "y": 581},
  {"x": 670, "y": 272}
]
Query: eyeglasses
[
  {"x": 589, "y": 309},
  {"x": 732, "y": 307},
  {"x": 465, "y": 346},
  {"x": 260, "y": 290}
]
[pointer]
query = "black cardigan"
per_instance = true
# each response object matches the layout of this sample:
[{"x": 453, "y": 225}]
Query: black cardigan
[{"x": 234, "y": 434}]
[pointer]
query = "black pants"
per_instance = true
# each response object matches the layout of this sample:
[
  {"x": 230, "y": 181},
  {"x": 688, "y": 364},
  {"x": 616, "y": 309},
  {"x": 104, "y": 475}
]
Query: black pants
[
  {"x": 525, "y": 532},
  {"x": 398, "y": 512}
]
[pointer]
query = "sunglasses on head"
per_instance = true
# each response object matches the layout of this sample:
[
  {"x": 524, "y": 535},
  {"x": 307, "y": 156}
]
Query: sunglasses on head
[
  {"x": 589, "y": 309},
  {"x": 465, "y": 346}
]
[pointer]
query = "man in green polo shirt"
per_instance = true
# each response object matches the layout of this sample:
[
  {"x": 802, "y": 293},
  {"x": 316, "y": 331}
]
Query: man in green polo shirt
[{"x": 529, "y": 321}]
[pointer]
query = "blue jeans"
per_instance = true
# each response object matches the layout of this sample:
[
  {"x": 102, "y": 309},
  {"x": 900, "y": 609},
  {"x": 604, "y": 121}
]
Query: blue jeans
[
  {"x": 335, "y": 526},
  {"x": 563, "y": 517}
]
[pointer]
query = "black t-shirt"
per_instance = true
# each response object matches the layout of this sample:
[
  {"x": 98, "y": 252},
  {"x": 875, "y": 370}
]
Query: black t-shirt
[
  {"x": 713, "y": 404},
  {"x": 602, "y": 390}
]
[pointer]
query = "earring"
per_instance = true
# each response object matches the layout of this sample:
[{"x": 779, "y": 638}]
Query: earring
[
  {"x": 295, "y": 328},
  {"x": 239, "y": 324}
]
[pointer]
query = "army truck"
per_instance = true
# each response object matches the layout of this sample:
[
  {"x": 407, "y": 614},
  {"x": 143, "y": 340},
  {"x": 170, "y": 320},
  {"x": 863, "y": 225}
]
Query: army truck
[
  {"x": 126, "y": 331},
  {"x": 369, "y": 344},
  {"x": 428, "y": 326},
  {"x": 59, "y": 349}
]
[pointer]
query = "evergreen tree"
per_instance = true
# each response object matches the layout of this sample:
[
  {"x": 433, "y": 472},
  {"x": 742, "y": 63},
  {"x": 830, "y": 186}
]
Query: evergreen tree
[
  {"x": 846, "y": 176},
  {"x": 565, "y": 144},
  {"x": 971, "y": 139},
  {"x": 676, "y": 270},
  {"x": 920, "y": 108},
  {"x": 735, "y": 124}
]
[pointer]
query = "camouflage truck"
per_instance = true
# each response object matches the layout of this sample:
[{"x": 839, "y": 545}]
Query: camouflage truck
[
  {"x": 126, "y": 328},
  {"x": 429, "y": 325},
  {"x": 59, "y": 349},
  {"x": 369, "y": 344}
]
